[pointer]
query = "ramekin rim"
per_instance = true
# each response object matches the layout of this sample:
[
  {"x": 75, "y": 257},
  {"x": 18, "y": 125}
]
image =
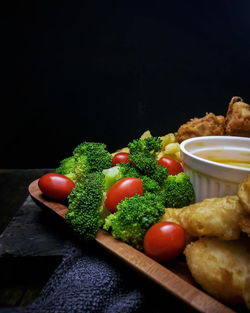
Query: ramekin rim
[{"x": 213, "y": 163}]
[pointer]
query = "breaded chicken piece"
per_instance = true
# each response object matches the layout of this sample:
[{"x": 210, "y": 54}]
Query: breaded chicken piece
[
  {"x": 221, "y": 268},
  {"x": 215, "y": 217},
  {"x": 244, "y": 224},
  {"x": 244, "y": 196},
  {"x": 244, "y": 193},
  {"x": 237, "y": 122},
  {"x": 209, "y": 125},
  {"x": 246, "y": 290}
]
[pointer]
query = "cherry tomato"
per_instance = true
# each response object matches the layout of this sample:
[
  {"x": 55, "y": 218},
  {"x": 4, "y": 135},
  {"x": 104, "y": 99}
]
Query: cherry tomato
[
  {"x": 121, "y": 157},
  {"x": 56, "y": 186},
  {"x": 164, "y": 241},
  {"x": 174, "y": 167},
  {"x": 124, "y": 188}
]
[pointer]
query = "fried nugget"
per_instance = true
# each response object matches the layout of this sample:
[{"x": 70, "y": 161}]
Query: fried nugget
[
  {"x": 237, "y": 122},
  {"x": 221, "y": 268},
  {"x": 244, "y": 224},
  {"x": 246, "y": 290},
  {"x": 244, "y": 193},
  {"x": 215, "y": 217},
  {"x": 244, "y": 197},
  {"x": 209, "y": 125}
]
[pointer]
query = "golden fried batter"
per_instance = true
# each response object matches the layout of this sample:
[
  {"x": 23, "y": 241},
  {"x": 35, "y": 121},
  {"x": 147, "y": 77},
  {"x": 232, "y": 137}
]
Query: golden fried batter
[
  {"x": 244, "y": 193},
  {"x": 237, "y": 122},
  {"x": 209, "y": 125},
  {"x": 215, "y": 217},
  {"x": 244, "y": 224},
  {"x": 246, "y": 290},
  {"x": 221, "y": 268},
  {"x": 244, "y": 197}
]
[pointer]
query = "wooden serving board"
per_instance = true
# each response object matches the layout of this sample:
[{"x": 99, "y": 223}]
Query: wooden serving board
[{"x": 175, "y": 279}]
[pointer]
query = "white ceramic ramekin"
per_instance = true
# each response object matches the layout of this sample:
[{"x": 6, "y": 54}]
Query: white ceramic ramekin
[{"x": 211, "y": 179}]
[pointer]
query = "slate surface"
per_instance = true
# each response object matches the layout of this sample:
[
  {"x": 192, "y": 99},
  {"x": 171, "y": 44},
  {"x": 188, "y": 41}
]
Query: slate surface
[
  {"x": 14, "y": 189},
  {"x": 33, "y": 232},
  {"x": 31, "y": 244}
]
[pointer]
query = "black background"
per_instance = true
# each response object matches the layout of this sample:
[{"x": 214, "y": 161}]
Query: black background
[{"x": 106, "y": 71}]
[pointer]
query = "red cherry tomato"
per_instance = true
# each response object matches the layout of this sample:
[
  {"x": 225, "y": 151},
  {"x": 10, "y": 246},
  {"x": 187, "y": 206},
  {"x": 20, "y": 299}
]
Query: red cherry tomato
[
  {"x": 56, "y": 186},
  {"x": 174, "y": 167},
  {"x": 121, "y": 157},
  {"x": 124, "y": 188},
  {"x": 164, "y": 241}
]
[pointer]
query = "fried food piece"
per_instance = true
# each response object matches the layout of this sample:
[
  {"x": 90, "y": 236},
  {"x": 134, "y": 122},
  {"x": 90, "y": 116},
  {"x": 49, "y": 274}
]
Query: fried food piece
[
  {"x": 221, "y": 268},
  {"x": 244, "y": 197},
  {"x": 237, "y": 122},
  {"x": 244, "y": 193},
  {"x": 244, "y": 224},
  {"x": 209, "y": 125},
  {"x": 246, "y": 290},
  {"x": 215, "y": 217}
]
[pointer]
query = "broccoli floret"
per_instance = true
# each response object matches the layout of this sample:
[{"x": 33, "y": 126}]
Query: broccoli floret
[
  {"x": 66, "y": 168},
  {"x": 86, "y": 212},
  {"x": 178, "y": 191},
  {"x": 159, "y": 173},
  {"x": 87, "y": 157},
  {"x": 118, "y": 172},
  {"x": 134, "y": 216},
  {"x": 91, "y": 157},
  {"x": 150, "y": 185},
  {"x": 149, "y": 144},
  {"x": 143, "y": 157}
]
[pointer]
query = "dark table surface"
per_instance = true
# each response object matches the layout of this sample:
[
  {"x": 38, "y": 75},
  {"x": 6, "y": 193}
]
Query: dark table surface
[
  {"x": 23, "y": 241},
  {"x": 31, "y": 244}
]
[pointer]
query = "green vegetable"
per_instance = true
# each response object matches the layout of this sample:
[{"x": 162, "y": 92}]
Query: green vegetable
[
  {"x": 118, "y": 172},
  {"x": 122, "y": 170},
  {"x": 178, "y": 191},
  {"x": 86, "y": 212},
  {"x": 150, "y": 185},
  {"x": 147, "y": 145},
  {"x": 90, "y": 167},
  {"x": 87, "y": 157},
  {"x": 91, "y": 157},
  {"x": 134, "y": 216},
  {"x": 66, "y": 168},
  {"x": 143, "y": 156}
]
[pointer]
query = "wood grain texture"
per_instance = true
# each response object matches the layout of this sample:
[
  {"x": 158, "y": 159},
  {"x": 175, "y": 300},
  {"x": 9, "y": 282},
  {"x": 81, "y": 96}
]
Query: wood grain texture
[{"x": 174, "y": 282}]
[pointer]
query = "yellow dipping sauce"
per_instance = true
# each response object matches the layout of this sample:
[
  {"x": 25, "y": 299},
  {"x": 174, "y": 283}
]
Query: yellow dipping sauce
[{"x": 229, "y": 157}]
